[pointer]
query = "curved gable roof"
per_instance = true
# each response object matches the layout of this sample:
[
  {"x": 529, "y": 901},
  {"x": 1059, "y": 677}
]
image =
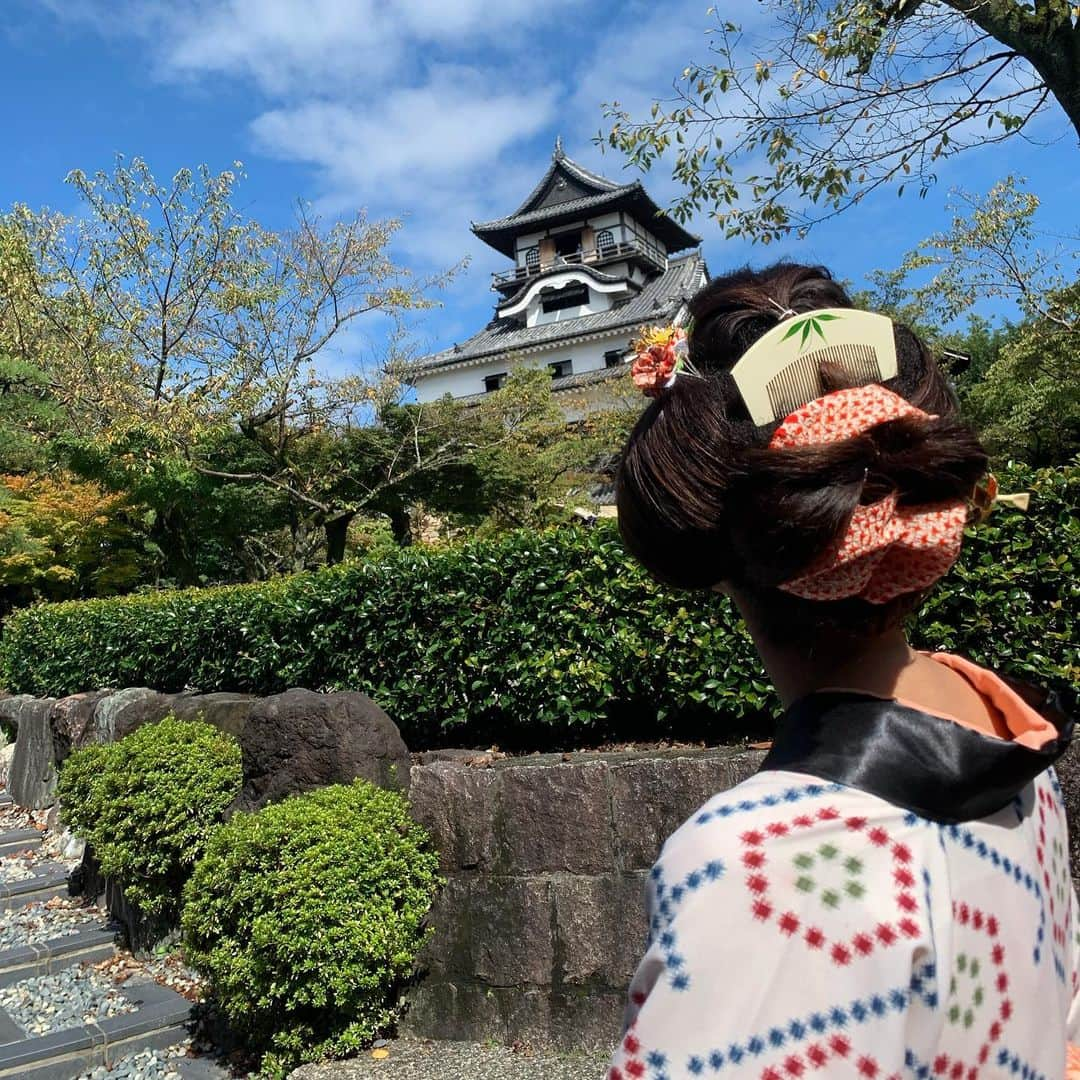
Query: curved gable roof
[{"x": 568, "y": 191}]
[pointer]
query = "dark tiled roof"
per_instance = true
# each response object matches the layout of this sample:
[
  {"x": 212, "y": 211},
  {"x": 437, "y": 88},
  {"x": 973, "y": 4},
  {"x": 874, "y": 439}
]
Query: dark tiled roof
[
  {"x": 586, "y": 378},
  {"x": 598, "y": 193},
  {"x": 583, "y": 175},
  {"x": 632, "y": 198},
  {"x": 584, "y": 203},
  {"x": 658, "y": 300}
]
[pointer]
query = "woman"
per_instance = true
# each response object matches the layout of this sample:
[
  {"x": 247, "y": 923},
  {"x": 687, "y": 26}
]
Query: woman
[{"x": 890, "y": 895}]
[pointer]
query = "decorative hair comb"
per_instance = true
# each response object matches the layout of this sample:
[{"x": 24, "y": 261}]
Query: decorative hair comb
[{"x": 782, "y": 370}]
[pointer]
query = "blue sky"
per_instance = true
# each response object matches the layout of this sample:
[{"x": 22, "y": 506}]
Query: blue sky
[{"x": 442, "y": 111}]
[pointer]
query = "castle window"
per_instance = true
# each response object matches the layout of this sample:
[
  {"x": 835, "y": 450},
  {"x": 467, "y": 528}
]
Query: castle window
[
  {"x": 570, "y": 297},
  {"x": 613, "y": 358},
  {"x": 561, "y": 368},
  {"x": 493, "y": 382},
  {"x": 605, "y": 242},
  {"x": 532, "y": 259},
  {"x": 568, "y": 243}
]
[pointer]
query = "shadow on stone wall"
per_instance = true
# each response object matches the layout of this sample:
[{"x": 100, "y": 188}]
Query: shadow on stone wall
[{"x": 542, "y": 920}]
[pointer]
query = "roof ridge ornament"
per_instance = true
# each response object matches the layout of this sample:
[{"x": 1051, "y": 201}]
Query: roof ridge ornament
[{"x": 559, "y": 153}]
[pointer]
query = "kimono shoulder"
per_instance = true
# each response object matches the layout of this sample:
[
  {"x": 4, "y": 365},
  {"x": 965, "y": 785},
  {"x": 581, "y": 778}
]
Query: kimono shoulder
[{"x": 801, "y": 927}]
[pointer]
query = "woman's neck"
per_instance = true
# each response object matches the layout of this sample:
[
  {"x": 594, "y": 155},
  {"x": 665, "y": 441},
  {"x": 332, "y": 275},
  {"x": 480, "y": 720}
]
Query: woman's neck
[
  {"x": 874, "y": 666},
  {"x": 885, "y": 666}
]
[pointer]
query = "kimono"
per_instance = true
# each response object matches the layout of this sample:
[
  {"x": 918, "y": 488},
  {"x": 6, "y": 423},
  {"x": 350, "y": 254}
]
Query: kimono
[{"x": 888, "y": 897}]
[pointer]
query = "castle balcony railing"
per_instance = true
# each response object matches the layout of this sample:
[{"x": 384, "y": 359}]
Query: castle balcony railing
[{"x": 599, "y": 256}]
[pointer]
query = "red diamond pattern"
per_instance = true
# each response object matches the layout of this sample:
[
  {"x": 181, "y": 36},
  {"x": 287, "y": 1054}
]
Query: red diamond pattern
[{"x": 861, "y": 943}]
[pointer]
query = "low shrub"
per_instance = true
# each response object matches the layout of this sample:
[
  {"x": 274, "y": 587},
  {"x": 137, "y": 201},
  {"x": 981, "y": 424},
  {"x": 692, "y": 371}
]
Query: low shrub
[
  {"x": 307, "y": 915},
  {"x": 148, "y": 803},
  {"x": 537, "y": 638}
]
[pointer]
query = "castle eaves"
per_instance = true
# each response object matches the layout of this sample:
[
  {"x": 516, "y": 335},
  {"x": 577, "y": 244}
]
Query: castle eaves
[{"x": 658, "y": 301}]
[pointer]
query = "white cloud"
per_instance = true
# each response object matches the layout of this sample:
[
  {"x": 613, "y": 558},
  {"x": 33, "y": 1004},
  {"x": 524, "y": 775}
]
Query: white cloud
[
  {"x": 412, "y": 136},
  {"x": 440, "y": 153},
  {"x": 296, "y": 48}
]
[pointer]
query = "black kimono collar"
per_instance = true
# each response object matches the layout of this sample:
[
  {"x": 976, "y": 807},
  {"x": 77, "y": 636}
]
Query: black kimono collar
[{"x": 934, "y": 767}]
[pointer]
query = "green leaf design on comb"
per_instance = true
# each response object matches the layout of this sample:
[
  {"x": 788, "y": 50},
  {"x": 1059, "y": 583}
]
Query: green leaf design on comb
[{"x": 808, "y": 326}]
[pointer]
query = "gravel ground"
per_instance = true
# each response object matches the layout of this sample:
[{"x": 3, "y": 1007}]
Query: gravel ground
[
  {"x": 44, "y": 920},
  {"x": 14, "y": 817},
  {"x": 422, "y": 1059},
  {"x": 147, "y": 1065},
  {"x": 66, "y": 999},
  {"x": 19, "y": 866}
]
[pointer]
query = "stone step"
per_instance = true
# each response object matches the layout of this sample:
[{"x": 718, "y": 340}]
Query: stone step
[
  {"x": 159, "y": 1021},
  {"x": 19, "y": 840},
  {"x": 5, "y": 799},
  {"x": 85, "y": 946},
  {"x": 51, "y": 880}
]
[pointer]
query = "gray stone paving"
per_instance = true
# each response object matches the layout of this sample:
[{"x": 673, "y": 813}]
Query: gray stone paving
[
  {"x": 423, "y": 1059},
  {"x": 17, "y": 867},
  {"x": 147, "y": 1065}
]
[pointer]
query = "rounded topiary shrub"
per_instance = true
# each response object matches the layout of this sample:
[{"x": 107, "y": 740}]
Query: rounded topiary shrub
[
  {"x": 306, "y": 917},
  {"x": 147, "y": 805}
]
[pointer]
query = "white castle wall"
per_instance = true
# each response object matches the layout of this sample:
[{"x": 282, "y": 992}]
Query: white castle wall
[{"x": 459, "y": 382}]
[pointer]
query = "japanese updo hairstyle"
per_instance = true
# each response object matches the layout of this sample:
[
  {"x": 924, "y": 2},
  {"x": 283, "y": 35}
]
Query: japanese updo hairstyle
[{"x": 703, "y": 501}]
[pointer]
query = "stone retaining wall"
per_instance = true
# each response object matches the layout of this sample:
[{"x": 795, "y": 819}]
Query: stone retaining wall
[
  {"x": 542, "y": 923},
  {"x": 290, "y": 742}
]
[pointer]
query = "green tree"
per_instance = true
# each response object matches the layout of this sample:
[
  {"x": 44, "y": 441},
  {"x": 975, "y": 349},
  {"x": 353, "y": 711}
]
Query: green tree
[
  {"x": 993, "y": 249},
  {"x": 1027, "y": 404},
  {"x": 170, "y": 324},
  {"x": 1021, "y": 383},
  {"x": 817, "y": 104},
  {"x": 30, "y": 415}
]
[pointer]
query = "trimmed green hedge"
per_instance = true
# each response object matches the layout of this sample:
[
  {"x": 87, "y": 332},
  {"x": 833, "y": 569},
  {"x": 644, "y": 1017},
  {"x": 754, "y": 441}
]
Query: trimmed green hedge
[
  {"x": 148, "y": 803},
  {"x": 306, "y": 918},
  {"x": 521, "y": 638}
]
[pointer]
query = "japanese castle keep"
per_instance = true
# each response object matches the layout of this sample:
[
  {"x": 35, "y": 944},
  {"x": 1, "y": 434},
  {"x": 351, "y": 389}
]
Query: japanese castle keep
[{"x": 592, "y": 262}]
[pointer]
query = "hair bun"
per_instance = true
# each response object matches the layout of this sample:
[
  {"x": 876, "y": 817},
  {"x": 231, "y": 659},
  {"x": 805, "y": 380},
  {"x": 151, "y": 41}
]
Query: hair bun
[{"x": 701, "y": 497}]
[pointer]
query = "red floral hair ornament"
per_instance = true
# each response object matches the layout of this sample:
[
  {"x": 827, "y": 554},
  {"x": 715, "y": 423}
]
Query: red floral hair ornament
[
  {"x": 660, "y": 354},
  {"x": 887, "y": 549}
]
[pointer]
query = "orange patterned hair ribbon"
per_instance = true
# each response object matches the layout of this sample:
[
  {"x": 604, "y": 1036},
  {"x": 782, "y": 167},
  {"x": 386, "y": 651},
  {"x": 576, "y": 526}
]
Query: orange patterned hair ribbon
[{"x": 887, "y": 549}]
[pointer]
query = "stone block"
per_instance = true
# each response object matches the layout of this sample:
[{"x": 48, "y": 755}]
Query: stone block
[
  {"x": 463, "y": 1010},
  {"x": 600, "y": 929},
  {"x": 300, "y": 740},
  {"x": 32, "y": 775},
  {"x": 651, "y": 797},
  {"x": 554, "y": 818},
  {"x": 429, "y": 757},
  {"x": 1068, "y": 772},
  {"x": 581, "y": 1020},
  {"x": 585, "y": 1019},
  {"x": 456, "y": 804},
  {"x": 10, "y": 704},
  {"x": 226, "y": 712},
  {"x": 494, "y": 930},
  {"x": 72, "y": 719},
  {"x": 119, "y": 714}
]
